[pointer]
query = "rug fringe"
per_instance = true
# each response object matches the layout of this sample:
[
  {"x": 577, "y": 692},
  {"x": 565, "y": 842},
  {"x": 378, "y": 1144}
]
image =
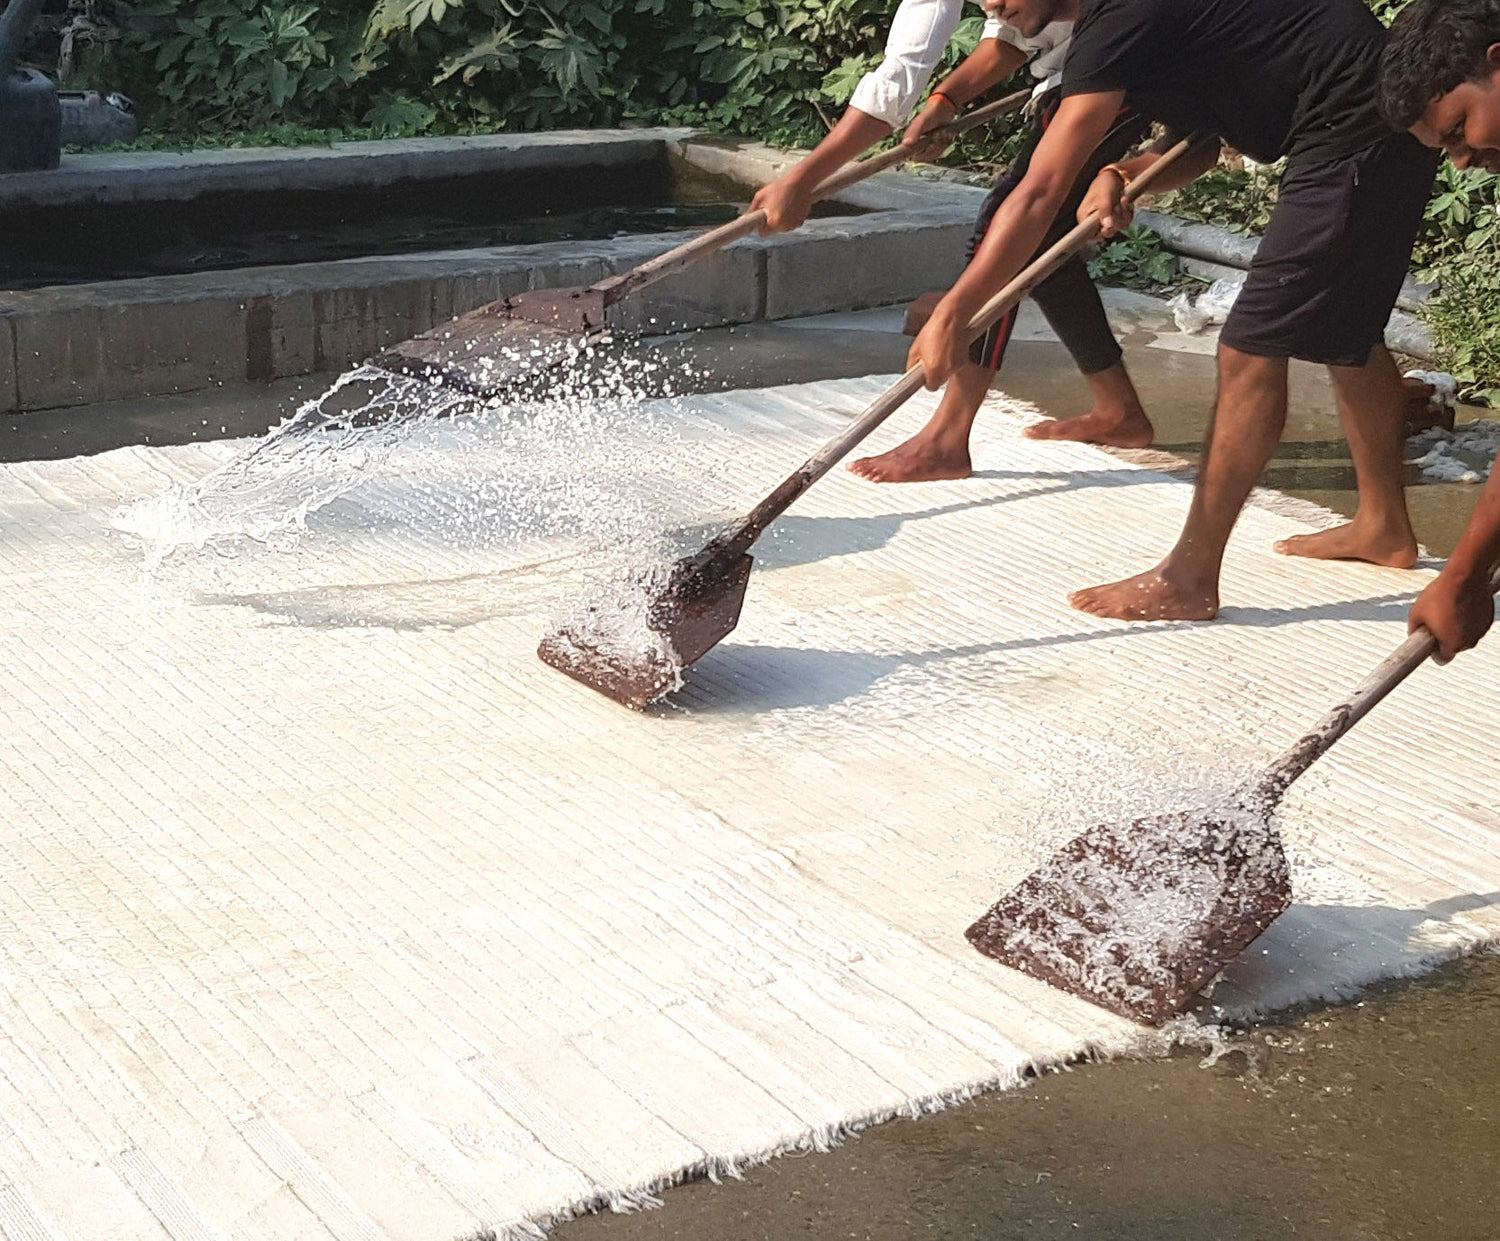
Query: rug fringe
[{"x": 1142, "y": 1043}]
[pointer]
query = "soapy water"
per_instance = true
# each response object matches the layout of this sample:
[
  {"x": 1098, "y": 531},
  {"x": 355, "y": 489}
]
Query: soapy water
[
  {"x": 612, "y": 621},
  {"x": 1135, "y": 908},
  {"x": 598, "y": 456},
  {"x": 1142, "y": 857},
  {"x": 334, "y": 443}
]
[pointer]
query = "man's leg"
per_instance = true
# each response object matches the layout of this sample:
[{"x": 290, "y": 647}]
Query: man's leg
[
  {"x": 1247, "y": 422},
  {"x": 1371, "y": 409},
  {"x": 941, "y": 448},
  {"x": 1070, "y": 301}
]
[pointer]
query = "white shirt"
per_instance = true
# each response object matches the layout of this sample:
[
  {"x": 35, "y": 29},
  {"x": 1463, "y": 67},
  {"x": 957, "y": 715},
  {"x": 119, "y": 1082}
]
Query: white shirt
[{"x": 919, "y": 35}]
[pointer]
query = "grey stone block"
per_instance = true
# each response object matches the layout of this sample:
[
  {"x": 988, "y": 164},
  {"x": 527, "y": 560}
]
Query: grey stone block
[
  {"x": 752, "y": 163},
  {"x": 291, "y": 336},
  {"x": 353, "y": 323},
  {"x": 80, "y": 346},
  {"x": 728, "y": 287},
  {"x": 153, "y": 176},
  {"x": 873, "y": 261},
  {"x": 10, "y": 396}
]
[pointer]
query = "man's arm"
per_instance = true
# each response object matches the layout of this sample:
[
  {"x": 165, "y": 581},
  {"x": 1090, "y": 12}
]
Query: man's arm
[
  {"x": 1081, "y": 123},
  {"x": 1107, "y": 194},
  {"x": 987, "y": 65},
  {"x": 788, "y": 199},
  {"x": 1457, "y": 607},
  {"x": 919, "y": 34}
]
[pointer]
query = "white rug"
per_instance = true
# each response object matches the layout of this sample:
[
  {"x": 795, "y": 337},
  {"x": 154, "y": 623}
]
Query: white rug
[{"x": 328, "y": 909}]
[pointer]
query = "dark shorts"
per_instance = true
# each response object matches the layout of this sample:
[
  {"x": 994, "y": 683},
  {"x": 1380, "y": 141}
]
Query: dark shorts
[
  {"x": 1333, "y": 258},
  {"x": 1067, "y": 298}
]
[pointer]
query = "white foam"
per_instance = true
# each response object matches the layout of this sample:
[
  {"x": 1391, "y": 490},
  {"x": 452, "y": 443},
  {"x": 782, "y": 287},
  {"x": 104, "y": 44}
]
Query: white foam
[{"x": 1465, "y": 454}]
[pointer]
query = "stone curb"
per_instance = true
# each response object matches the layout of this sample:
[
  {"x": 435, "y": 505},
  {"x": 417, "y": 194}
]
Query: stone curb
[{"x": 77, "y": 345}]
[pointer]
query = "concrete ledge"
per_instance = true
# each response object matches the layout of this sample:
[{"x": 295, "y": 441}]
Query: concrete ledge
[
  {"x": 1218, "y": 247},
  {"x": 154, "y": 176},
  {"x": 79, "y": 344},
  {"x": 1215, "y": 253},
  {"x": 753, "y": 163}
]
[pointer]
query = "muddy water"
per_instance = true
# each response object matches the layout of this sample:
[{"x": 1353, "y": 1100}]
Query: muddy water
[
  {"x": 1177, "y": 389},
  {"x": 1312, "y": 462},
  {"x": 1376, "y": 1120}
]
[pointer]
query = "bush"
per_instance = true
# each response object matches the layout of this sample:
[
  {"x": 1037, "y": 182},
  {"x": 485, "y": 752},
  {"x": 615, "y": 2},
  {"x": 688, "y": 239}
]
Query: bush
[
  {"x": 396, "y": 67},
  {"x": 1136, "y": 259},
  {"x": 226, "y": 64}
]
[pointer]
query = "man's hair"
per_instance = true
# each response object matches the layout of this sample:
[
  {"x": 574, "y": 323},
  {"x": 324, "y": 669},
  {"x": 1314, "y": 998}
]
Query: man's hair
[{"x": 1435, "y": 46}]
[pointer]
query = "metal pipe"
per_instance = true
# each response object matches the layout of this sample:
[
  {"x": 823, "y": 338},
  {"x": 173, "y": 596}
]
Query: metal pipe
[{"x": 14, "y": 23}]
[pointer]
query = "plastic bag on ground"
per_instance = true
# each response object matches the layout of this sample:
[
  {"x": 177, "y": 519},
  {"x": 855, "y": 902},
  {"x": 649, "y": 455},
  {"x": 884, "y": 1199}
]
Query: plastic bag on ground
[{"x": 1211, "y": 307}]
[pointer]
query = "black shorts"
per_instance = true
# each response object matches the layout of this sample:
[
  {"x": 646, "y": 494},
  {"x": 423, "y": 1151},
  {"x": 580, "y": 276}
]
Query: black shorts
[
  {"x": 1064, "y": 296},
  {"x": 1333, "y": 258}
]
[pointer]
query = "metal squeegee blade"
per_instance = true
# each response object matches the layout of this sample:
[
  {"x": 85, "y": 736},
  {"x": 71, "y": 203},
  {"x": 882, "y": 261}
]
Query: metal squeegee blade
[{"x": 1138, "y": 919}]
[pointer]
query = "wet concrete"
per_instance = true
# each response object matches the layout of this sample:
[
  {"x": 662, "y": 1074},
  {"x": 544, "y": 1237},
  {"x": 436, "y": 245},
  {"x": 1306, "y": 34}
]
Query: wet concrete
[{"x": 1376, "y": 1120}]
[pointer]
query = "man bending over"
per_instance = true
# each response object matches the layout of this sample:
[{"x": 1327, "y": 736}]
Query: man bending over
[
  {"x": 884, "y": 98},
  {"x": 1275, "y": 78},
  {"x": 1440, "y": 79}
]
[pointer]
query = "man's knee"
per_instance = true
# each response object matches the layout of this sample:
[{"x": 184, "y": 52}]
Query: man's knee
[{"x": 1238, "y": 369}]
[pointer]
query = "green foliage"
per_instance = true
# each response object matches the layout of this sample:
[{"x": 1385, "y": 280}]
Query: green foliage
[
  {"x": 1459, "y": 251},
  {"x": 1237, "y": 198},
  {"x": 232, "y": 63},
  {"x": 1462, "y": 220},
  {"x": 1136, "y": 259},
  {"x": 1466, "y": 328},
  {"x": 775, "y": 71}
]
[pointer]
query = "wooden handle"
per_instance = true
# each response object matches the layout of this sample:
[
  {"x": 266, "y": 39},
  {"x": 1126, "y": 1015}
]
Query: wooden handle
[
  {"x": 614, "y": 288},
  {"x": 899, "y": 154},
  {"x": 738, "y": 538},
  {"x": 1395, "y": 668}
]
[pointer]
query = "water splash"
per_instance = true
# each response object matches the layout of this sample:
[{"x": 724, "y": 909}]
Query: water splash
[
  {"x": 1138, "y": 913},
  {"x": 591, "y": 456},
  {"x": 334, "y": 443},
  {"x": 612, "y": 629}
]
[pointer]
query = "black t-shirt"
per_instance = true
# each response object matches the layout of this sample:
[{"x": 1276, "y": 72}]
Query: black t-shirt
[{"x": 1271, "y": 77}]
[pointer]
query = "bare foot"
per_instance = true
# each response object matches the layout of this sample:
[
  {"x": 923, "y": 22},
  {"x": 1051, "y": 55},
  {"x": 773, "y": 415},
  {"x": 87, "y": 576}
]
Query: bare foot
[
  {"x": 1128, "y": 429},
  {"x": 919, "y": 460},
  {"x": 1154, "y": 595},
  {"x": 1396, "y": 549}
]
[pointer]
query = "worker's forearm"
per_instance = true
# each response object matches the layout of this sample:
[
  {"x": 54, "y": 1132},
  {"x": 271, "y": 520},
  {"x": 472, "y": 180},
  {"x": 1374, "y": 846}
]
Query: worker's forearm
[
  {"x": 854, "y": 134},
  {"x": 1478, "y": 550},
  {"x": 1192, "y": 165},
  {"x": 987, "y": 65}
]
